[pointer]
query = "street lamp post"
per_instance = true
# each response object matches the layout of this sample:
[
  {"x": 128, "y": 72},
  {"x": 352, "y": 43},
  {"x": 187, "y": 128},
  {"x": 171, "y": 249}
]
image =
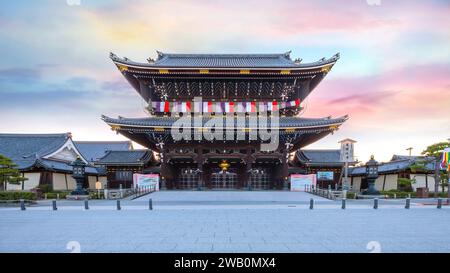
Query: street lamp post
[
  {"x": 78, "y": 167},
  {"x": 371, "y": 176}
]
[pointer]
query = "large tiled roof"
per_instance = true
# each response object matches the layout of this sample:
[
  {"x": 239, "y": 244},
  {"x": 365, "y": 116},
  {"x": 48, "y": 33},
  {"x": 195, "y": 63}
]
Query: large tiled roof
[
  {"x": 125, "y": 157},
  {"x": 25, "y": 149},
  {"x": 94, "y": 150},
  {"x": 284, "y": 122},
  {"x": 28, "y": 151},
  {"x": 280, "y": 60}
]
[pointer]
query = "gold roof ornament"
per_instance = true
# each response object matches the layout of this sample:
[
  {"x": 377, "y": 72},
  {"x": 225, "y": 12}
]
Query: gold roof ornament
[{"x": 122, "y": 68}]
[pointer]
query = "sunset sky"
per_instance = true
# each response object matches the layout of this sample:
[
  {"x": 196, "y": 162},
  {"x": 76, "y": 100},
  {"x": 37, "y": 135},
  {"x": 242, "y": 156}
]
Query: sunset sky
[{"x": 393, "y": 78}]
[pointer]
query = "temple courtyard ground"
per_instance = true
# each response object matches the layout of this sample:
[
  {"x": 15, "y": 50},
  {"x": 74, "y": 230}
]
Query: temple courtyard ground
[{"x": 226, "y": 221}]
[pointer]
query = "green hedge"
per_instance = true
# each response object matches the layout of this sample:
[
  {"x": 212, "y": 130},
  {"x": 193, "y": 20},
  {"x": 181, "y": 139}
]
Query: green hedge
[
  {"x": 399, "y": 194},
  {"x": 16, "y": 195},
  {"x": 54, "y": 195},
  {"x": 441, "y": 194},
  {"x": 94, "y": 195},
  {"x": 351, "y": 195}
]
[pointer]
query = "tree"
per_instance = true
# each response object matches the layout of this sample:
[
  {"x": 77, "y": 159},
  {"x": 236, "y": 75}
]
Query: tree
[
  {"x": 9, "y": 172},
  {"x": 435, "y": 151}
]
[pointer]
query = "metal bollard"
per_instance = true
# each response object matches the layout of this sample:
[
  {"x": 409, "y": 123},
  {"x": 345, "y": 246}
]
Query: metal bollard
[
  {"x": 375, "y": 203},
  {"x": 22, "y": 204},
  {"x": 439, "y": 203},
  {"x": 408, "y": 203},
  {"x": 343, "y": 203},
  {"x": 311, "y": 203},
  {"x": 86, "y": 204},
  {"x": 150, "y": 204},
  {"x": 118, "y": 205},
  {"x": 54, "y": 205}
]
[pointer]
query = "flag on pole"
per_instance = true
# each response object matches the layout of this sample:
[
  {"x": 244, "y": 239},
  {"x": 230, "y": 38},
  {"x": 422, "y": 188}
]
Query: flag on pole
[{"x": 445, "y": 162}]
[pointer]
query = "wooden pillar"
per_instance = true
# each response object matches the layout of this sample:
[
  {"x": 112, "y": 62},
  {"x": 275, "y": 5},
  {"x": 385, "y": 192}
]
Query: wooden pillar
[
  {"x": 199, "y": 159},
  {"x": 284, "y": 170},
  {"x": 248, "y": 166}
]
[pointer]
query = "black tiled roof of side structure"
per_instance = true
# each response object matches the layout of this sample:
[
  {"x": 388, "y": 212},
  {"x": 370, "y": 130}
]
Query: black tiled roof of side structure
[
  {"x": 94, "y": 150},
  {"x": 25, "y": 149},
  {"x": 125, "y": 157}
]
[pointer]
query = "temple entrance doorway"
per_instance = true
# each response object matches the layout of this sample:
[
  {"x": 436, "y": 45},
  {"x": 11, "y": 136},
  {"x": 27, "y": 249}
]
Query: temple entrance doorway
[{"x": 224, "y": 179}]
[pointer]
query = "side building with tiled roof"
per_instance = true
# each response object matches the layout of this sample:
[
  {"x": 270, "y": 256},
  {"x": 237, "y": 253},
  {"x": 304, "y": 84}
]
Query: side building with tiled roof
[
  {"x": 94, "y": 150},
  {"x": 389, "y": 172},
  {"x": 44, "y": 159},
  {"x": 121, "y": 165}
]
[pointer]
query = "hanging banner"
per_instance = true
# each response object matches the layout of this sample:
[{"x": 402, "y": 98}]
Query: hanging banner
[
  {"x": 300, "y": 181},
  {"x": 222, "y": 107},
  {"x": 445, "y": 161},
  {"x": 146, "y": 180}
]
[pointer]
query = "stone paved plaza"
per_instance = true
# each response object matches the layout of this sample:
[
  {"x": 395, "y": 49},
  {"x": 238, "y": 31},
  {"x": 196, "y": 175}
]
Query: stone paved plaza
[{"x": 210, "y": 227}]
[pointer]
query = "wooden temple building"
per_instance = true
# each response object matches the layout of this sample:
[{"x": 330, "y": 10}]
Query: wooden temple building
[{"x": 233, "y": 90}]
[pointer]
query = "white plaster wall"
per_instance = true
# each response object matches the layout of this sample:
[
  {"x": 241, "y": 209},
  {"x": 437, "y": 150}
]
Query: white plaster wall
[
  {"x": 92, "y": 180},
  {"x": 71, "y": 182},
  {"x": 33, "y": 180},
  {"x": 357, "y": 184},
  {"x": 103, "y": 180},
  {"x": 13, "y": 187},
  {"x": 59, "y": 182},
  {"x": 420, "y": 181},
  {"x": 391, "y": 182}
]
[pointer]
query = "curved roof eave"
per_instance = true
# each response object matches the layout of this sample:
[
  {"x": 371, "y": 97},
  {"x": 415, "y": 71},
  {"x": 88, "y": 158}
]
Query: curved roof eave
[
  {"x": 119, "y": 122},
  {"x": 301, "y": 66}
]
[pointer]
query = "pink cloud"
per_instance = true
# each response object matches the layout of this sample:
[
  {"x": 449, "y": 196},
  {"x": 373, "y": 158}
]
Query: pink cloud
[{"x": 417, "y": 92}]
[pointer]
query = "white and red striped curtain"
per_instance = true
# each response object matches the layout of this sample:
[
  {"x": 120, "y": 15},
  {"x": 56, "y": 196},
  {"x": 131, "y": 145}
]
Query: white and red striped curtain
[{"x": 222, "y": 107}]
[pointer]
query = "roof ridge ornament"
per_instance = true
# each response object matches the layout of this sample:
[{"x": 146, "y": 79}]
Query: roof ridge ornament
[
  {"x": 113, "y": 56},
  {"x": 287, "y": 54},
  {"x": 160, "y": 54}
]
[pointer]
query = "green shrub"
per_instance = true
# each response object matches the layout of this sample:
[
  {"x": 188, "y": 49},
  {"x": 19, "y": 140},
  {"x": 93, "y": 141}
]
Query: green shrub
[
  {"x": 351, "y": 195},
  {"x": 45, "y": 188},
  {"x": 399, "y": 194},
  {"x": 54, "y": 195},
  {"x": 94, "y": 195},
  {"x": 440, "y": 194},
  {"x": 405, "y": 184},
  {"x": 17, "y": 195}
]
